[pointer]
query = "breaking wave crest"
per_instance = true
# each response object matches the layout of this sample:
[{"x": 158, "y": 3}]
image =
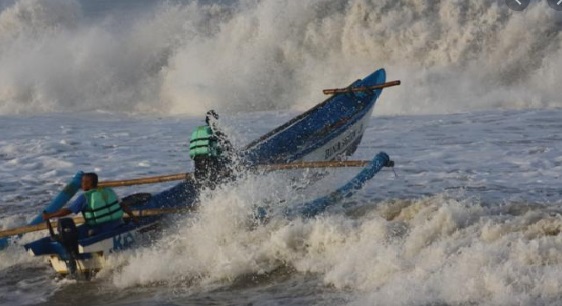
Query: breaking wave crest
[
  {"x": 396, "y": 252},
  {"x": 183, "y": 58}
]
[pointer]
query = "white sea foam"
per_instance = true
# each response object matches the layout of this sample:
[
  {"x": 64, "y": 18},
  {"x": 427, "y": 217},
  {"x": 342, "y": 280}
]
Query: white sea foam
[
  {"x": 491, "y": 179},
  {"x": 399, "y": 253},
  {"x": 472, "y": 217},
  {"x": 260, "y": 55}
]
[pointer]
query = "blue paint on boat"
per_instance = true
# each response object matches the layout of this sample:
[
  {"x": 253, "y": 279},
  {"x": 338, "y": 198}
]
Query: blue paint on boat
[
  {"x": 292, "y": 141},
  {"x": 62, "y": 198},
  {"x": 318, "y": 206},
  {"x": 57, "y": 203},
  {"x": 297, "y": 138},
  {"x": 315, "y": 207}
]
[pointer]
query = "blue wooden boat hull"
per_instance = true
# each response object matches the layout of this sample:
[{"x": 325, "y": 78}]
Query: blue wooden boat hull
[
  {"x": 331, "y": 129},
  {"x": 328, "y": 131},
  {"x": 315, "y": 207},
  {"x": 57, "y": 203},
  {"x": 318, "y": 206}
]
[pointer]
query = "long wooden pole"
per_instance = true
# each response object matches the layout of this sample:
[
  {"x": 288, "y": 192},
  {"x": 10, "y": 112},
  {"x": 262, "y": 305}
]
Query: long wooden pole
[
  {"x": 317, "y": 164},
  {"x": 182, "y": 176},
  {"x": 80, "y": 220},
  {"x": 147, "y": 180},
  {"x": 334, "y": 91}
]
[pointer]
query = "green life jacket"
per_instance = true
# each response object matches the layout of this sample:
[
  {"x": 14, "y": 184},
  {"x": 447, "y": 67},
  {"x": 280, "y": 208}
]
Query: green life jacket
[
  {"x": 103, "y": 206},
  {"x": 203, "y": 143}
]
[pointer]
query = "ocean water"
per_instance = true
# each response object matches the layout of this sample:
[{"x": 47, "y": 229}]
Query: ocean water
[{"x": 472, "y": 216}]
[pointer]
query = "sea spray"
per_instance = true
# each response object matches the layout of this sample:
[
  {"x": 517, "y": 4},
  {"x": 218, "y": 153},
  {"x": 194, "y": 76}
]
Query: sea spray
[
  {"x": 432, "y": 249},
  {"x": 493, "y": 239},
  {"x": 175, "y": 58},
  {"x": 220, "y": 242}
]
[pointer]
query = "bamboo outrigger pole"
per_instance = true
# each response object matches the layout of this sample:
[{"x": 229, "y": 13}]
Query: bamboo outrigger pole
[
  {"x": 334, "y": 91},
  {"x": 79, "y": 220},
  {"x": 181, "y": 176},
  {"x": 184, "y": 176},
  {"x": 147, "y": 180},
  {"x": 317, "y": 164}
]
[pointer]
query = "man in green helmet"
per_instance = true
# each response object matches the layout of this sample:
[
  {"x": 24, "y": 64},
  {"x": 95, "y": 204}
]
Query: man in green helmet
[
  {"x": 100, "y": 207},
  {"x": 212, "y": 153}
]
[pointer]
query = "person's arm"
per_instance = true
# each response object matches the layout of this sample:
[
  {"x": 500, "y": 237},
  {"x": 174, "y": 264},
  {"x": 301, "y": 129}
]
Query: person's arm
[
  {"x": 221, "y": 137},
  {"x": 129, "y": 212},
  {"x": 225, "y": 142},
  {"x": 57, "y": 214},
  {"x": 75, "y": 208}
]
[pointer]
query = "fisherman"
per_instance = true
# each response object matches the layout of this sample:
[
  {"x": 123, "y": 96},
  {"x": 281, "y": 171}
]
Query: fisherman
[
  {"x": 212, "y": 153},
  {"x": 100, "y": 207}
]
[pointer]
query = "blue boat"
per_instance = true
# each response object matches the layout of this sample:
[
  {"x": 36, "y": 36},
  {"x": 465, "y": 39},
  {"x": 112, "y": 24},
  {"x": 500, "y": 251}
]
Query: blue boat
[{"x": 331, "y": 130}]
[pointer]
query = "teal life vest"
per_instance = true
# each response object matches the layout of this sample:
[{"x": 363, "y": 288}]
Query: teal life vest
[
  {"x": 204, "y": 143},
  {"x": 102, "y": 206}
]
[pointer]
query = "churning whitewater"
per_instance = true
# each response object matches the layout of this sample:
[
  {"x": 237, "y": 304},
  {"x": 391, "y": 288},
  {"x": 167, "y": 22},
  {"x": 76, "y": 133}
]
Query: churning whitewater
[
  {"x": 472, "y": 215},
  {"x": 470, "y": 218},
  {"x": 187, "y": 57}
]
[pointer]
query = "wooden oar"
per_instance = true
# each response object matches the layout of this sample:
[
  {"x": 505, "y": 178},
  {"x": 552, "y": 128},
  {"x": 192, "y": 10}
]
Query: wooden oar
[
  {"x": 80, "y": 220},
  {"x": 334, "y": 91},
  {"x": 182, "y": 176}
]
